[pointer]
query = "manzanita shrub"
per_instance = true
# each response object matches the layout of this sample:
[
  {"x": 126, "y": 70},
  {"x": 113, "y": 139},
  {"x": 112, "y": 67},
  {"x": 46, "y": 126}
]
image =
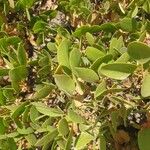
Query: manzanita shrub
[{"x": 75, "y": 74}]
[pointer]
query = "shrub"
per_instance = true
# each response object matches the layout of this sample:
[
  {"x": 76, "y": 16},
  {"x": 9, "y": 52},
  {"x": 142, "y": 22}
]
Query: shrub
[{"x": 74, "y": 74}]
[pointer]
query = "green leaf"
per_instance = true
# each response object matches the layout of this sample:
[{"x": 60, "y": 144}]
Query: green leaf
[
  {"x": 47, "y": 138},
  {"x": 65, "y": 83},
  {"x": 19, "y": 110},
  {"x": 13, "y": 40},
  {"x": 99, "y": 61},
  {"x": 124, "y": 58},
  {"x": 9, "y": 93},
  {"x": 61, "y": 143},
  {"x": 4, "y": 72},
  {"x": 100, "y": 89},
  {"x": 52, "y": 47},
  {"x": 39, "y": 26},
  {"x": 69, "y": 141},
  {"x": 128, "y": 24},
  {"x": 74, "y": 117},
  {"x": 63, "y": 53},
  {"x": 86, "y": 74},
  {"x": 107, "y": 27},
  {"x": 116, "y": 45},
  {"x": 84, "y": 29},
  {"x": 2, "y": 98},
  {"x": 18, "y": 73},
  {"x": 63, "y": 127},
  {"x": 21, "y": 53},
  {"x": 90, "y": 38},
  {"x": 52, "y": 112},
  {"x": 44, "y": 71},
  {"x": 102, "y": 145},
  {"x": 143, "y": 139},
  {"x": 34, "y": 114},
  {"x": 31, "y": 138},
  {"x": 93, "y": 53},
  {"x": 44, "y": 61},
  {"x": 9, "y": 143},
  {"x": 83, "y": 140},
  {"x": 118, "y": 71},
  {"x": 43, "y": 92},
  {"x": 146, "y": 6},
  {"x": 114, "y": 120},
  {"x": 75, "y": 58},
  {"x": 102, "y": 92},
  {"x": 134, "y": 11},
  {"x": 25, "y": 115},
  {"x": 145, "y": 92},
  {"x": 24, "y": 131},
  {"x": 22, "y": 4},
  {"x": 139, "y": 51},
  {"x": 2, "y": 126}
]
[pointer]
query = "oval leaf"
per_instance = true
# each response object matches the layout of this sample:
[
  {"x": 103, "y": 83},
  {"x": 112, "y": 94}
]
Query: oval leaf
[
  {"x": 63, "y": 127},
  {"x": 75, "y": 58},
  {"x": 74, "y": 117},
  {"x": 52, "y": 112},
  {"x": 90, "y": 38},
  {"x": 43, "y": 92},
  {"x": 83, "y": 140},
  {"x": 93, "y": 53},
  {"x": 47, "y": 138},
  {"x": 21, "y": 53},
  {"x": 63, "y": 53},
  {"x": 99, "y": 61},
  {"x": 118, "y": 71},
  {"x": 139, "y": 51},
  {"x": 145, "y": 92},
  {"x": 100, "y": 89},
  {"x": 86, "y": 74},
  {"x": 65, "y": 83}
]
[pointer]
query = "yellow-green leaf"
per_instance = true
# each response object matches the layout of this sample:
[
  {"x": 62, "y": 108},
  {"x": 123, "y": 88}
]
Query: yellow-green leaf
[
  {"x": 75, "y": 117},
  {"x": 65, "y": 83},
  {"x": 93, "y": 53},
  {"x": 63, "y": 53},
  {"x": 143, "y": 139},
  {"x": 86, "y": 74},
  {"x": 118, "y": 71},
  {"x": 47, "y": 138},
  {"x": 145, "y": 92},
  {"x": 44, "y": 91},
  {"x": 63, "y": 127},
  {"x": 83, "y": 140},
  {"x": 139, "y": 51},
  {"x": 45, "y": 110},
  {"x": 21, "y": 53}
]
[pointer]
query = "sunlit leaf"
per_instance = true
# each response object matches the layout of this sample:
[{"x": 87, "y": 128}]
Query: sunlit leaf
[
  {"x": 83, "y": 140},
  {"x": 74, "y": 117},
  {"x": 145, "y": 92},
  {"x": 118, "y": 71},
  {"x": 93, "y": 53},
  {"x": 45, "y": 110},
  {"x": 63, "y": 127},
  {"x": 65, "y": 83},
  {"x": 139, "y": 51},
  {"x": 86, "y": 74}
]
